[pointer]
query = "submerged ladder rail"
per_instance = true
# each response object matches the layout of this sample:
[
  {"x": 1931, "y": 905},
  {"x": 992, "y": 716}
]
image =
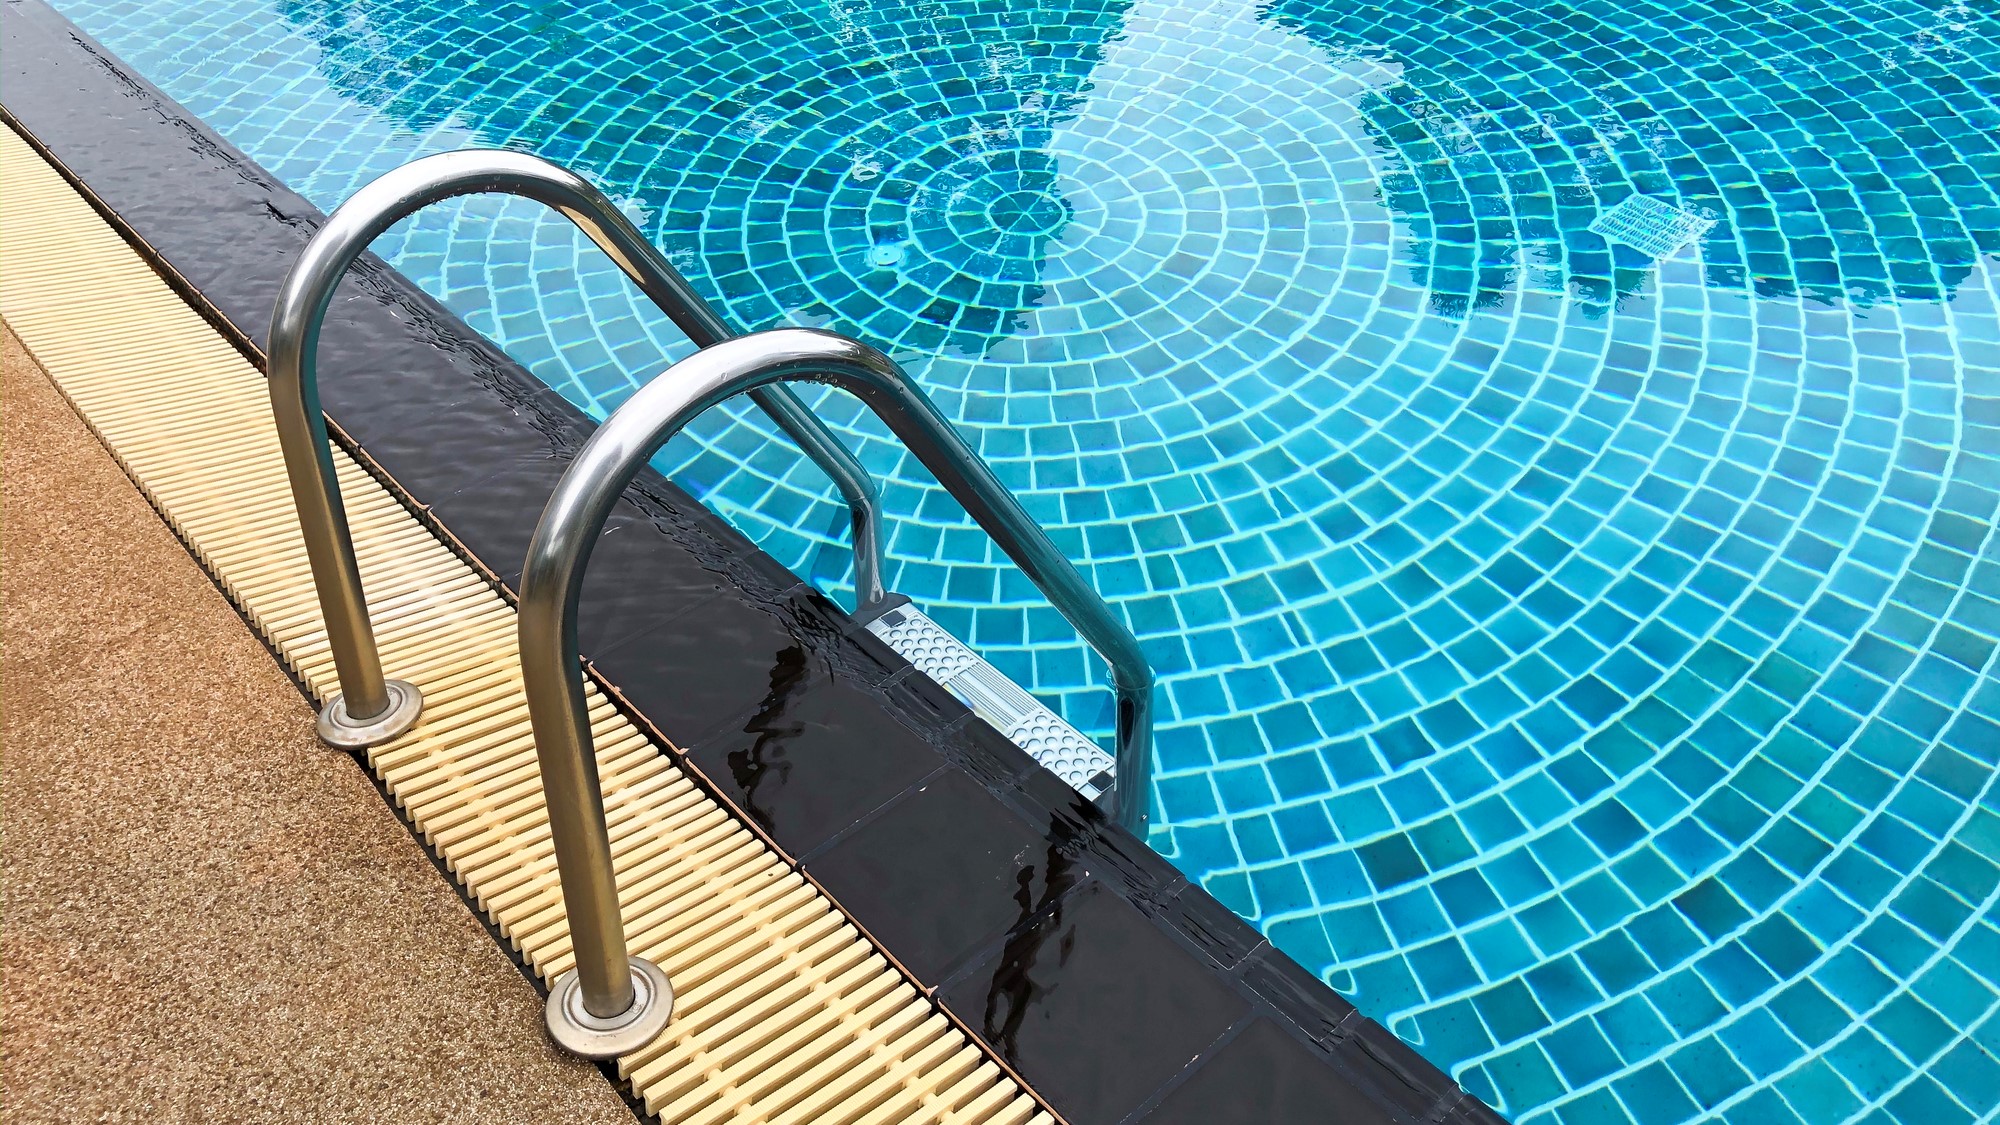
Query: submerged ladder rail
[
  {"x": 609, "y": 993},
  {"x": 369, "y": 708}
]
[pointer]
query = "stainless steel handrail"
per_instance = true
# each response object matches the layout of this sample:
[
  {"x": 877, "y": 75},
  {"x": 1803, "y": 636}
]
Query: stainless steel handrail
[
  {"x": 552, "y": 580},
  {"x": 370, "y": 709}
]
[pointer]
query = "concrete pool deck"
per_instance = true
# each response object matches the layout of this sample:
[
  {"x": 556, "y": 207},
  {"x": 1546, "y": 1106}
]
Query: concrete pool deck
[{"x": 210, "y": 915}]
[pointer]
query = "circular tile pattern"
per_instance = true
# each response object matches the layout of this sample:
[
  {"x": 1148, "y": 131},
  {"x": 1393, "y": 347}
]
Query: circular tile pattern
[{"x": 1584, "y": 660}]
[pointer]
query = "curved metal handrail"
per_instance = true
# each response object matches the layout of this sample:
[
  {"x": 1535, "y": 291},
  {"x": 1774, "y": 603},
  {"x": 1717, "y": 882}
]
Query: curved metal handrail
[
  {"x": 552, "y": 581},
  {"x": 370, "y": 709}
]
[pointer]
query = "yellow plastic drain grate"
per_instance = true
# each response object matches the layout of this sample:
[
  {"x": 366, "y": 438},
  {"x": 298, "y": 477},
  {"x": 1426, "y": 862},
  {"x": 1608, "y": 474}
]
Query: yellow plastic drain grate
[{"x": 784, "y": 1012}]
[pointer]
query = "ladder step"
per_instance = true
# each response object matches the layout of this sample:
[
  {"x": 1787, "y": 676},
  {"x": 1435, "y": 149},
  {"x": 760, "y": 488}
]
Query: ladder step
[{"x": 1059, "y": 747}]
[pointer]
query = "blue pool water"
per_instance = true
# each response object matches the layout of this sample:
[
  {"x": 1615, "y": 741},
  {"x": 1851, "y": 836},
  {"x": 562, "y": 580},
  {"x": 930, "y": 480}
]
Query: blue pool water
[{"x": 1582, "y": 655}]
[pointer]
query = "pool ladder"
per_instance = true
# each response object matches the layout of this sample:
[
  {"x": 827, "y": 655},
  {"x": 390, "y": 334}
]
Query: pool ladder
[{"x": 612, "y": 1003}]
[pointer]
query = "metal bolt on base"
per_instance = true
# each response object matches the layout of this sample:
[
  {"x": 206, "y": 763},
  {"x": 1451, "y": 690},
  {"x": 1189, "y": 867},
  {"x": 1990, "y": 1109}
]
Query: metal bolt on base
[
  {"x": 577, "y": 1031},
  {"x": 338, "y": 728}
]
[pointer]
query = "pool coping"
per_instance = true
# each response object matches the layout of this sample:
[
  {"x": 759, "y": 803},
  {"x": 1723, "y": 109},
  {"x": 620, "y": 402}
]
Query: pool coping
[{"x": 1082, "y": 960}]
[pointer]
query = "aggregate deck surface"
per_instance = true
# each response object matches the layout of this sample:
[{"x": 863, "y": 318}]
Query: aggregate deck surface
[{"x": 167, "y": 956}]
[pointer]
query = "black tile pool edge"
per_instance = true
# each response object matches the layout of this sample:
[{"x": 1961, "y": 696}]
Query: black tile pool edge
[{"x": 1078, "y": 957}]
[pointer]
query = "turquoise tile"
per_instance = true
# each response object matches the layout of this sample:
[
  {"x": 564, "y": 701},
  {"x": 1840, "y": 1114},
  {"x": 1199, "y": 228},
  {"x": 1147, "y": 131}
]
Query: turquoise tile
[{"x": 1580, "y": 655}]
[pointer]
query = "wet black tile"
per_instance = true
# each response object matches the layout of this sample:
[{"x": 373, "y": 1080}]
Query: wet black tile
[
  {"x": 698, "y": 529},
  {"x": 494, "y": 516},
  {"x": 708, "y": 668},
  {"x": 919, "y": 690},
  {"x": 971, "y": 751},
  {"x": 1389, "y": 1069},
  {"x": 639, "y": 581},
  {"x": 757, "y": 571},
  {"x": 1265, "y": 1077},
  {"x": 833, "y": 634},
  {"x": 440, "y": 409},
  {"x": 1370, "y": 1058},
  {"x": 1217, "y": 932},
  {"x": 430, "y": 473},
  {"x": 816, "y": 754},
  {"x": 876, "y": 645},
  {"x": 147, "y": 159},
  {"x": 944, "y": 871},
  {"x": 455, "y": 444},
  {"x": 1287, "y": 986},
  {"x": 395, "y": 367},
  {"x": 1472, "y": 1111},
  {"x": 986, "y": 753},
  {"x": 1095, "y": 1004},
  {"x": 1118, "y": 857}
]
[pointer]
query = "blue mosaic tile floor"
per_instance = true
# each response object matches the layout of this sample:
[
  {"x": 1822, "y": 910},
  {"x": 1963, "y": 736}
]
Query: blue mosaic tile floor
[{"x": 1583, "y": 658}]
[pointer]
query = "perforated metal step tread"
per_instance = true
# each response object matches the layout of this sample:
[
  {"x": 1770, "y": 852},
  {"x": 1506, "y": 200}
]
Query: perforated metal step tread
[
  {"x": 1651, "y": 226},
  {"x": 1058, "y": 746}
]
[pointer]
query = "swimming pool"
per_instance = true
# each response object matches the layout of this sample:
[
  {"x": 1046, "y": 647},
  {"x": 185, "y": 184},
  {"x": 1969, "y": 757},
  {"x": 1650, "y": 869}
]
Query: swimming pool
[{"x": 1582, "y": 655}]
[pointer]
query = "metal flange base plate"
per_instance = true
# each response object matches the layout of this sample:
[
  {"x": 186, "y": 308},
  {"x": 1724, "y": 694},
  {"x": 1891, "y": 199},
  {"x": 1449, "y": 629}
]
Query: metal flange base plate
[
  {"x": 338, "y": 728},
  {"x": 577, "y": 1031}
]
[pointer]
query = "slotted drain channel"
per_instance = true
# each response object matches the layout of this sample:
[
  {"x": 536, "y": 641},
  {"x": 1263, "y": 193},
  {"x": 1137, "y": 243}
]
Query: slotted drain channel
[{"x": 786, "y": 1012}]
